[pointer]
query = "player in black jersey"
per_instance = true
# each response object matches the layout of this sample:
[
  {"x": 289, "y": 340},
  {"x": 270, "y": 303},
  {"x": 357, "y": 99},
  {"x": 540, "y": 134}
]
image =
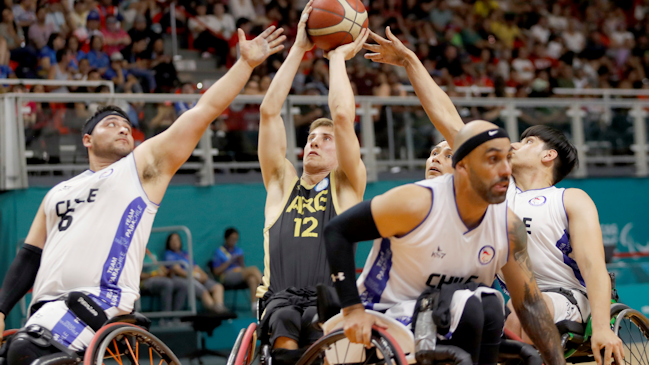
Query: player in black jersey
[{"x": 297, "y": 208}]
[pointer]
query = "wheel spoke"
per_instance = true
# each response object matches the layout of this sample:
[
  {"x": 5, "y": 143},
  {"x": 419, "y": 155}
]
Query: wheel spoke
[
  {"x": 128, "y": 343},
  {"x": 632, "y": 341},
  {"x": 119, "y": 360},
  {"x": 151, "y": 355}
]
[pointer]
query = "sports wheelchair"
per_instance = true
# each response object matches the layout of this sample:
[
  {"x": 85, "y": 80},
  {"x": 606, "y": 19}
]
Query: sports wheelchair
[
  {"x": 396, "y": 344},
  {"x": 119, "y": 339}
]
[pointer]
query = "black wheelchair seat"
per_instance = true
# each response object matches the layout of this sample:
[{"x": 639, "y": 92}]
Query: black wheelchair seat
[
  {"x": 134, "y": 318},
  {"x": 567, "y": 326}
]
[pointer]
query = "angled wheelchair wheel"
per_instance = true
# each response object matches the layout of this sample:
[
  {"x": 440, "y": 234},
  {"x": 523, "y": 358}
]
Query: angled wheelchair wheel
[
  {"x": 117, "y": 343},
  {"x": 243, "y": 351},
  {"x": 246, "y": 352},
  {"x": 632, "y": 327},
  {"x": 335, "y": 349}
]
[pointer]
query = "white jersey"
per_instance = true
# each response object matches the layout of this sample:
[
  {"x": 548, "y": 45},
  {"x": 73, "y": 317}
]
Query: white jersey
[
  {"x": 98, "y": 225},
  {"x": 548, "y": 240},
  {"x": 441, "y": 250}
]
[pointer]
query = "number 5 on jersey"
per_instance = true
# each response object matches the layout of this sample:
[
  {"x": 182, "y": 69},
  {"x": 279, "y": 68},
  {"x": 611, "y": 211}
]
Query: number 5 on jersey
[{"x": 308, "y": 231}]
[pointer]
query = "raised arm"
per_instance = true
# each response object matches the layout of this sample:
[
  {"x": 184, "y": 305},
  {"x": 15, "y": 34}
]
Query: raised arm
[
  {"x": 436, "y": 103},
  {"x": 162, "y": 155},
  {"x": 272, "y": 134},
  {"x": 396, "y": 212},
  {"x": 343, "y": 113},
  {"x": 526, "y": 297},
  {"x": 586, "y": 241}
]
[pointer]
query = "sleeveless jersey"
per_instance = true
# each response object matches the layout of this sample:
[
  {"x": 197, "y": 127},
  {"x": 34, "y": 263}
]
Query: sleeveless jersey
[
  {"x": 294, "y": 247},
  {"x": 441, "y": 250},
  {"x": 548, "y": 238},
  {"x": 98, "y": 225}
]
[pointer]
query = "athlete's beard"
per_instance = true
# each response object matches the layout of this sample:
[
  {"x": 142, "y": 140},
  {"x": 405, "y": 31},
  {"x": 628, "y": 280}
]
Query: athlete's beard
[
  {"x": 111, "y": 152},
  {"x": 485, "y": 190}
]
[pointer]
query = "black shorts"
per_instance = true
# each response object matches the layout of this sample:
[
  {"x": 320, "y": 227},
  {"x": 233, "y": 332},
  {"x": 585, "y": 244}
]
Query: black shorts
[{"x": 295, "y": 323}]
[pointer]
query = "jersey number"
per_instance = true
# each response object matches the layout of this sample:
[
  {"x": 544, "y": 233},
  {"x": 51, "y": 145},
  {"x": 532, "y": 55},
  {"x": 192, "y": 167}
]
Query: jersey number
[{"x": 307, "y": 232}]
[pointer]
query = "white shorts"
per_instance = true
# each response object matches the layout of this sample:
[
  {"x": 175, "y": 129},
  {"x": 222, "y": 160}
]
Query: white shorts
[
  {"x": 564, "y": 310},
  {"x": 66, "y": 328}
]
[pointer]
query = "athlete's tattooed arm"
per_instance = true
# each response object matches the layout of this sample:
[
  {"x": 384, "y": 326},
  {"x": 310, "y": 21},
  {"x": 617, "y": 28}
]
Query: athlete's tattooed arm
[{"x": 526, "y": 298}]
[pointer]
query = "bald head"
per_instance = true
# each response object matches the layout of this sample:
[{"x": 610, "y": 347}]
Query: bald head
[
  {"x": 482, "y": 158},
  {"x": 472, "y": 129}
]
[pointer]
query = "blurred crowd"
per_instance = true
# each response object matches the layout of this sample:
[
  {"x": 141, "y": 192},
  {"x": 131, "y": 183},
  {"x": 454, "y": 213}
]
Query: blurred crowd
[{"x": 518, "y": 48}]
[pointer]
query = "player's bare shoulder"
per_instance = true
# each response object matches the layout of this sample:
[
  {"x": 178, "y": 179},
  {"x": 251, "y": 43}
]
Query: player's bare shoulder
[
  {"x": 576, "y": 201},
  {"x": 347, "y": 195}
]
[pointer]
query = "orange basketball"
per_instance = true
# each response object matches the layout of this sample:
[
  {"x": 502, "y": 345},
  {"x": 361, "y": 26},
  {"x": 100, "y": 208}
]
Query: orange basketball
[{"x": 333, "y": 23}]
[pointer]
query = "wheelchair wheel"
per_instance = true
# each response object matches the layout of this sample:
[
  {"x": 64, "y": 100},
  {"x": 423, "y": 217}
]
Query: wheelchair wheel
[
  {"x": 235, "y": 348},
  {"x": 118, "y": 342},
  {"x": 243, "y": 352},
  {"x": 338, "y": 350},
  {"x": 633, "y": 329},
  {"x": 246, "y": 352}
]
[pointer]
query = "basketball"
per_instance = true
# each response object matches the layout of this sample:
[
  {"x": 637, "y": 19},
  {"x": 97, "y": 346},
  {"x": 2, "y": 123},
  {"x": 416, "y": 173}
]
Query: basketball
[{"x": 333, "y": 23}]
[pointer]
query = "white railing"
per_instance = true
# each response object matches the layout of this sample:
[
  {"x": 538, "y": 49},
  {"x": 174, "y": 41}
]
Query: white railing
[
  {"x": 14, "y": 169},
  {"x": 476, "y": 91},
  {"x": 78, "y": 83}
]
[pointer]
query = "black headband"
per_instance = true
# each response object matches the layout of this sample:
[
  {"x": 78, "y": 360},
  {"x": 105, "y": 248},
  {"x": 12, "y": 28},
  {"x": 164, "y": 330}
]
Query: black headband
[
  {"x": 476, "y": 141},
  {"x": 98, "y": 118}
]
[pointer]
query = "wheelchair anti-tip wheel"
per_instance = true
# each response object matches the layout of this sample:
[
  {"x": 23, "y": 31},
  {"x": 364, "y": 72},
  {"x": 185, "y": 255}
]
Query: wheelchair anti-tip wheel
[
  {"x": 632, "y": 327},
  {"x": 335, "y": 349},
  {"x": 118, "y": 342}
]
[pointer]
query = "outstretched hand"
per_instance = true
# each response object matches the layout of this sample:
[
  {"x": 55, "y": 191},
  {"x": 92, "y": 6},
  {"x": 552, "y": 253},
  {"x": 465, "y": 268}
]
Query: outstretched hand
[
  {"x": 302, "y": 40},
  {"x": 390, "y": 51},
  {"x": 350, "y": 50},
  {"x": 256, "y": 51}
]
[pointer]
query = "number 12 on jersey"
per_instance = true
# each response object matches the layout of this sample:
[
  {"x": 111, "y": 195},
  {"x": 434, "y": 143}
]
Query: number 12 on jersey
[{"x": 308, "y": 232}]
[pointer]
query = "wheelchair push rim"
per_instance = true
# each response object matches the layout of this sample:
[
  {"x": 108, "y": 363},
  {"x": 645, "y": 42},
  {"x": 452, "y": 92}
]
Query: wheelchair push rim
[
  {"x": 244, "y": 353},
  {"x": 381, "y": 340},
  {"x": 632, "y": 327},
  {"x": 119, "y": 342}
]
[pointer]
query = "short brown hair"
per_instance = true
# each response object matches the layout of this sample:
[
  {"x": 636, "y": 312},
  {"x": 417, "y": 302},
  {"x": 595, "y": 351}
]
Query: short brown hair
[{"x": 321, "y": 122}]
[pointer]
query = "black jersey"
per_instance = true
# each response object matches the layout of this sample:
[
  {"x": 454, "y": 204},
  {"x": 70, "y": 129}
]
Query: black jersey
[{"x": 294, "y": 246}]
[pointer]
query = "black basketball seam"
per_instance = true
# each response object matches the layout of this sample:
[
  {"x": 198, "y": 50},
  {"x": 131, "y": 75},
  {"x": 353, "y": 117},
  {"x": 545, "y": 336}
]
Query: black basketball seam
[
  {"x": 330, "y": 12},
  {"x": 353, "y": 22}
]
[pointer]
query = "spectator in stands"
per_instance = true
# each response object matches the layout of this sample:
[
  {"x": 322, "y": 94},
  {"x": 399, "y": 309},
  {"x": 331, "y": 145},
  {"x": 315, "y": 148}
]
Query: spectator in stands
[
  {"x": 140, "y": 30},
  {"x": 24, "y": 14},
  {"x": 115, "y": 72},
  {"x": 12, "y": 33},
  {"x": 92, "y": 29},
  {"x": 55, "y": 43},
  {"x": 183, "y": 106},
  {"x": 106, "y": 9},
  {"x": 59, "y": 71},
  {"x": 115, "y": 38},
  {"x": 540, "y": 31},
  {"x": 57, "y": 16},
  {"x": 242, "y": 9},
  {"x": 210, "y": 32},
  {"x": 138, "y": 63},
  {"x": 229, "y": 267},
  {"x": 523, "y": 65},
  {"x": 78, "y": 15},
  {"x": 96, "y": 56},
  {"x": 82, "y": 71},
  {"x": 39, "y": 32},
  {"x": 210, "y": 292},
  {"x": 166, "y": 77},
  {"x": 573, "y": 38},
  {"x": 72, "y": 45},
  {"x": 156, "y": 280}
]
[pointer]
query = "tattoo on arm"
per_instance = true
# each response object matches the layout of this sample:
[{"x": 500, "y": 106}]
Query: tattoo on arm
[{"x": 532, "y": 311}]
